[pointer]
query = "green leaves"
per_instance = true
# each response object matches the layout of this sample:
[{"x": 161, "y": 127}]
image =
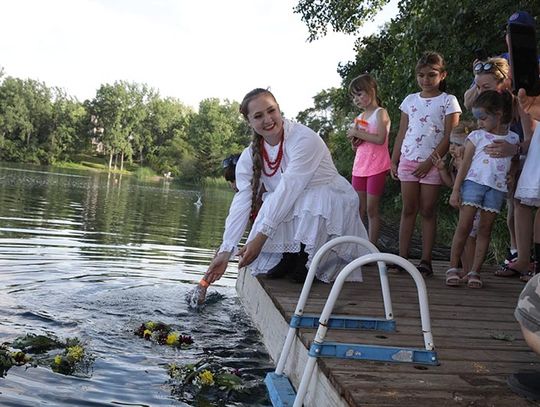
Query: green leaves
[{"x": 341, "y": 15}]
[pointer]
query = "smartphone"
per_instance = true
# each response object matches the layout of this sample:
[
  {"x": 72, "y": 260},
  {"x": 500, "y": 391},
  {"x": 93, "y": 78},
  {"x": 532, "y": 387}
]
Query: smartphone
[{"x": 523, "y": 58}]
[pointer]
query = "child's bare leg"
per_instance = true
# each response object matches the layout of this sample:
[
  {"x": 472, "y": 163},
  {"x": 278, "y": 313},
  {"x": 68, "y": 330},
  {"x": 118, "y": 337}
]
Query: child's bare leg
[
  {"x": 428, "y": 201},
  {"x": 482, "y": 239},
  {"x": 410, "y": 193},
  {"x": 510, "y": 220},
  {"x": 374, "y": 218},
  {"x": 362, "y": 196},
  {"x": 468, "y": 254},
  {"x": 466, "y": 217}
]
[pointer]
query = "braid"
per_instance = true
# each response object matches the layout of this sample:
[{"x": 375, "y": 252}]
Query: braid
[
  {"x": 257, "y": 169},
  {"x": 256, "y": 151}
]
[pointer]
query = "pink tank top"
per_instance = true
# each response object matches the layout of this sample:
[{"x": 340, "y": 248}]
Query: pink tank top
[{"x": 371, "y": 158}]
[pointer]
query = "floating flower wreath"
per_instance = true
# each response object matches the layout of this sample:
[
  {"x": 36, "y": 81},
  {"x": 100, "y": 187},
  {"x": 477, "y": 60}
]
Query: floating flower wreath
[
  {"x": 163, "y": 334},
  {"x": 43, "y": 350},
  {"x": 207, "y": 379},
  {"x": 10, "y": 358}
]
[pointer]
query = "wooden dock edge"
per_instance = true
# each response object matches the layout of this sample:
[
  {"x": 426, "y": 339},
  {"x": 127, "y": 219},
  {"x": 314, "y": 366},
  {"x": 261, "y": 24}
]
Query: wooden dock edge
[{"x": 273, "y": 328}]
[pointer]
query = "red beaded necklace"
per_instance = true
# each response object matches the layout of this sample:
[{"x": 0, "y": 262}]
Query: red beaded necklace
[{"x": 273, "y": 166}]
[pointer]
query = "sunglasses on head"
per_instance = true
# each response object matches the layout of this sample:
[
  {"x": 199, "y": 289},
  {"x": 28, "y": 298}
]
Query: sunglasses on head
[
  {"x": 230, "y": 160},
  {"x": 487, "y": 67}
]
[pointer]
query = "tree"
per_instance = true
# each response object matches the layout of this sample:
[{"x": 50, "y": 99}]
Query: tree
[
  {"x": 217, "y": 130},
  {"x": 119, "y": 110},
  {"x": 25, "y": 112},
  {"x": 341, "y": 15}
]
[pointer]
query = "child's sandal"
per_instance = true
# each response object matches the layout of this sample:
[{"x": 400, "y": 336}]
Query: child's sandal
[
  {"x": 425, "y": 268},
  {"x": 473, "y": 280},
  {"x": 453, "y": 277}
]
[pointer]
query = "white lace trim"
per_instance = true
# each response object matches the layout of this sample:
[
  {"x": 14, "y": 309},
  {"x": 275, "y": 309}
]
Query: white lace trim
[
  {"x": 481, "y": 207},
  {"x": 267, "y": 230}
]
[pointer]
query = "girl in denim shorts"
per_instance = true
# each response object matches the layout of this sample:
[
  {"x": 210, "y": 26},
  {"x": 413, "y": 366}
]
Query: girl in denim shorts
[{"x": 481, "y": 182}]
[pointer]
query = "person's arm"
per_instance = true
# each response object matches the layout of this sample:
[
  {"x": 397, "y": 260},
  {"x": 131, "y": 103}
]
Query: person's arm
[
  {"x": 455, "y": 197},
  {"x": 450, "y": 121},
  {"x": 502, "y": 148},
  {"x": 217, "y": 267},
  {"x": 530, "y": 104},
  {"x": 237, "y": 219},
  {"x": 396, "y": 152},
  {"x": 527, "y": 123},
  {"x": 438, "y": 162},
  {"x": 251, "y": 250},
  {"x": 383, "y": 126}
]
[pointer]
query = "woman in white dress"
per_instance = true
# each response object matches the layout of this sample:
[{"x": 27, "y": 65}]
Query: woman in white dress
[
  {"x": 305, "y": 204},
  {"x": 527, "y": 199}
]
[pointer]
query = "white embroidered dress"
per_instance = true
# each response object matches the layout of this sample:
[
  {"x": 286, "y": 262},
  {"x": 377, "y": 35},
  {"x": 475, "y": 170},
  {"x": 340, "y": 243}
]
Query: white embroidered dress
[
  {"x": 307, "y": 202},
  {"x": 528, "y": 186}
]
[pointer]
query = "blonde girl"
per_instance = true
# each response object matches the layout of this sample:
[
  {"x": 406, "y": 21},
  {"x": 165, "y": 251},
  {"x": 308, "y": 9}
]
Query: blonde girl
[
  {"x": 448, "y": 172},
  {"x": 369, "y": 137},
  {"x": 427, "y": 119}
]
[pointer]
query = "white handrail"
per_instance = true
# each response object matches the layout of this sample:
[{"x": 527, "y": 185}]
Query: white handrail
[
  {"x": 336, "y": 290},
  {"x": 309, "y": 281}
]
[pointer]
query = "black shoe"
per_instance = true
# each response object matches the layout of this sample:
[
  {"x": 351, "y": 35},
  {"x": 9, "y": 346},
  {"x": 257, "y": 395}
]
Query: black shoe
[
  {"x": 525, "y": 384},
  {"x": 300, "y": 271},
  {"x": 285, "y": 266}
]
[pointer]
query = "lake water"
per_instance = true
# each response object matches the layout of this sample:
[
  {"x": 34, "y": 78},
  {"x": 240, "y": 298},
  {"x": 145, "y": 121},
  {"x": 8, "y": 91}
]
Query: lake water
[{"x": 94, "y": 255}]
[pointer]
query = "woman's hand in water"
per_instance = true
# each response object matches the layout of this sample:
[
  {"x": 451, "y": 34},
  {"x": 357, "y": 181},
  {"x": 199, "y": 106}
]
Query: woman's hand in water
[
  {"x": 251, "y": 250},
  {"x": 217, "y": 267}
]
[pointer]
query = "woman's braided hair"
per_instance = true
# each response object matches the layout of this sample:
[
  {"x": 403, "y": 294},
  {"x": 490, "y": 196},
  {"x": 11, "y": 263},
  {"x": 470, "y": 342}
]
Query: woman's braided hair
[{"x": 255, "y": 148}]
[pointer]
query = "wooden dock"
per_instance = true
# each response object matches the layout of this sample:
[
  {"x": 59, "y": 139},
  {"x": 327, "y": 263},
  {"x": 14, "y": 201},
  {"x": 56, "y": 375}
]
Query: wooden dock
[{"x": 476, "y": 337}]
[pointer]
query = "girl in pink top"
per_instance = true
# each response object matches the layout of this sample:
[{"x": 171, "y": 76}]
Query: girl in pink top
[{"x": 369, "y": 137}]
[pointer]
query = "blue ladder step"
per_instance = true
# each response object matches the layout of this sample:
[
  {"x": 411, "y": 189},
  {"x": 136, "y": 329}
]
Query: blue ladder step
[
  {"x": 280, "y": 390},
  {"x": 344, "y": 322},
  {"x": 371, "y": 352}
]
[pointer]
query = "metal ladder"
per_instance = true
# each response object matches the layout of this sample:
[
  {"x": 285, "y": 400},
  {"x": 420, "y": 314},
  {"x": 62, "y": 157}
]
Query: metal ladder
[{"x": 279, "y": 387}]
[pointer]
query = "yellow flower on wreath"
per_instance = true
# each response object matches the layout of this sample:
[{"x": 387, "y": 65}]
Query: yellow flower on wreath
[
  {"x": 75, "y": 353},
  {"x": 58, "y": 359},
  {"x": 172, "y": 338},
  {"x": 207, "y": 378}
]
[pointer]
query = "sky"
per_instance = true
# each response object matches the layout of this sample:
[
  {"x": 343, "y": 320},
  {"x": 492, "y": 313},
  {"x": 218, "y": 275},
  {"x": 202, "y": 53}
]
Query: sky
[{"x": 187, "y": 49}]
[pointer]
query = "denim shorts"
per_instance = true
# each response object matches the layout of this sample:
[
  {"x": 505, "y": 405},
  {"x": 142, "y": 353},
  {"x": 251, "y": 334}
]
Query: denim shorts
[{"x": 482, "y": 196}]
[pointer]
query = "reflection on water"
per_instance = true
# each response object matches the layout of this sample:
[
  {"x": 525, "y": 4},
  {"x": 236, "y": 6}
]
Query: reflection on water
[{"x": 94, "y": 256}]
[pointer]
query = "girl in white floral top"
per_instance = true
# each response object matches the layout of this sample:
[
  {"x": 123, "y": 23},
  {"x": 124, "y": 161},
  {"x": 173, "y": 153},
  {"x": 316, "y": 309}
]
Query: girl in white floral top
[
  {"x": 427, "y": 119},
  {"x": 481, "y": 182}
]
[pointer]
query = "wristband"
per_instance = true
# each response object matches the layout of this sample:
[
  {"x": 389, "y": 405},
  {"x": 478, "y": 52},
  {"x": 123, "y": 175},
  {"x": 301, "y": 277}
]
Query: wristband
[{"x": 204, "y": 283}]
